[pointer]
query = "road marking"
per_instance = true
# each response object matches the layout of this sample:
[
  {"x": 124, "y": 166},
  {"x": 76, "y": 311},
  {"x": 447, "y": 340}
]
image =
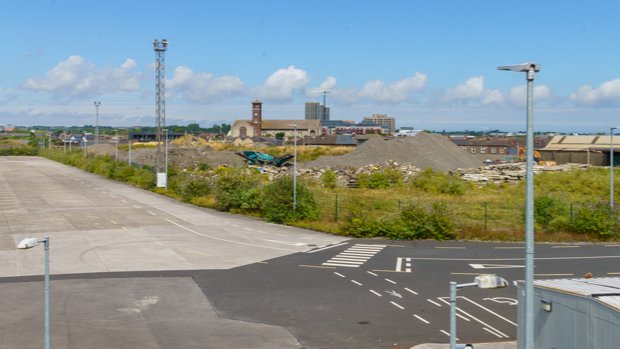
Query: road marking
[
  {"x": 113, "y": 196},
  {"x": 123, "y": 201},
  {"x": 136, "y": 206},
  {"x": 432, "y": 301},
  {"x": 568, "y": 274},
  {"x": 262, "y": 262},
  {"x": 611, "y": 245},
  {"x": 509, "y": 248},
  {"x": 467, "y": 274},
  {"x": 234, "y": 225},
  {"x": 124, "y": 228},
  {"x": 397, "y": 305},
  {"x": 316, "y": 266},
  {"x": 326, "y": 248},
  {"x": 407, "y": 264},
  {"x": 390, "y": 271},
  {"x": 614, "y": 273},
  {"x": 420, "y": 318},
  {"x": 337, "y": 273},
  {"x": 451, "y": 247},
  {"x": 492, "y": 332},
  {"x": 358, "y": 251},
  {"x": 510, "y": 259},
  {"x": 355, "y": 282},
  {"x": 341, "y": 265},
  {"x": 394, "y": 293},
  {"x": 281, "y": 235},
  {"x": 376, "y": 293},
  {"x": 371, "y": 245},
  {"x": 290, "y": 243},
  {"x": 351, "y": 263},
  {"x": 446, "y": 333},
  {"x": 502, "y": 300},
  {"x": 390, "y": 281},
  {"x": 113, "y": 222},
  {"x": 461, "y": 316},
  {"x": 249, "y": 229},
  {"x": 408, "y": 290},
  {"x": 225, "y": 240},
  {"x": 478, "y": 320},
  {"x": 151, "y": 213},
  {"x": 495, "y": 266},
  {"x": 371, "y": 273},
  {"x": 565, "y": 246}
]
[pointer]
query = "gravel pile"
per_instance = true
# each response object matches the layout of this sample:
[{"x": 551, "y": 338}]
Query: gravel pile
[{"x": 422, "y": 151}]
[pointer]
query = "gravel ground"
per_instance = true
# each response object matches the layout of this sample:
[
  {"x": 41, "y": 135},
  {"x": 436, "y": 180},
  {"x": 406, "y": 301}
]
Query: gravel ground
[{"x": 423, "y": 150}]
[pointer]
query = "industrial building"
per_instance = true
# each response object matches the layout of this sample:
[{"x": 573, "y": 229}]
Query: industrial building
[
  {"x": 574, "y": 313},
  {"x": 316, "y": 111},
  {"x": 383, "y": 120}
]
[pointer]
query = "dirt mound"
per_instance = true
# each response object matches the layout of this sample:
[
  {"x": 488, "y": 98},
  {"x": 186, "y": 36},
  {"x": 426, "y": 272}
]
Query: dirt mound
[{"x": 423, "y": 150}]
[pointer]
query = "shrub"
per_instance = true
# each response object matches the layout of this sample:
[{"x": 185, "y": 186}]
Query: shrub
[
  {"x": 597, "y": 220},
  {"x": 329, "y": 179},
  {"x": 386, "y": 178},
  {"x": 277, "y": 202},
  {"x": 421, "y": 223},
  {"x": 435, "y": 182},
  {"x": 231, "y": 185},
  {"x": 189, "y": 187},
  {"x": 143, "y": 177},
  {"x": 547, "y": 209}
]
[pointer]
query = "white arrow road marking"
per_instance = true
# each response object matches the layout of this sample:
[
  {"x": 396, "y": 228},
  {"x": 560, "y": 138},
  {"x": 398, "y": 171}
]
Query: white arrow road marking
[
  {"x": 394, "y": 293},
  {"x": 495, "y": 266}
]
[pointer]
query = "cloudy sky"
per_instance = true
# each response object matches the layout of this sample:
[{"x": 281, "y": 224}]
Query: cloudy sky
[{"x": 430, "y": 64}]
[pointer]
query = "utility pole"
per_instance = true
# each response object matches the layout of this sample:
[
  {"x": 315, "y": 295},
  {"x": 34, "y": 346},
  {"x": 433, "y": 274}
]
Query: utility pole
[
  {"x": 160, "y": 95},
  {"x": 97, "y": 104}
]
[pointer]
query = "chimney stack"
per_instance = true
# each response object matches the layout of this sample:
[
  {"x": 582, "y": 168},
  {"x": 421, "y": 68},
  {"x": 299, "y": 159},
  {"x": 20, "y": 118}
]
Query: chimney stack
[{"x": 257, "y": 117}]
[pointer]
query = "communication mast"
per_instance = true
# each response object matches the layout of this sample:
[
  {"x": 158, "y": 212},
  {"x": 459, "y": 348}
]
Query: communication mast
[{"x": 160, "y": 95}]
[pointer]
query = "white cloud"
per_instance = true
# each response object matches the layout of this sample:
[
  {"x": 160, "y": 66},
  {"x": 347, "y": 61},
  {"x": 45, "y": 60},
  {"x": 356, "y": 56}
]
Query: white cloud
[
  {"x": 395, "y": 92},
  {"x": 204, "y": 87},
  {"x": 75, "y": 77},
  {"x": 473, "y": 91},
  {"x": 608, "y": 93},
  {"x": 517, "y": 95},
  {"x": 283, "y": 85},
  {"x": 327, "y": 85}
]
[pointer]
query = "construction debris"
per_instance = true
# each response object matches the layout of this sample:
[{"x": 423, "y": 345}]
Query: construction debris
[{"x": 509, "y": 172}]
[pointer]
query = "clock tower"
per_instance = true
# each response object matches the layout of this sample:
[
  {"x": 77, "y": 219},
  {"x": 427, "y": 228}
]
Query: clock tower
[{"x": 257, "y": 117}]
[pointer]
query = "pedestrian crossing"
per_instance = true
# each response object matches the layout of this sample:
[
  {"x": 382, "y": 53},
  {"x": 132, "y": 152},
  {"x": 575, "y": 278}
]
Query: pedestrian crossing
[{"x": 354, "y": 256}]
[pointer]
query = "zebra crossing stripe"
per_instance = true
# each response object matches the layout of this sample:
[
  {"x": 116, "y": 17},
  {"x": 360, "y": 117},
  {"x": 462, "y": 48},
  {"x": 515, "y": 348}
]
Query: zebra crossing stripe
[{"x": 354, "y": 256}]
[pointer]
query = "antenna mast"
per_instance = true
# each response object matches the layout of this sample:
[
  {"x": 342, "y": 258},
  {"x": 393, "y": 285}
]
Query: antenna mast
[{"x": 160, "y": 95}]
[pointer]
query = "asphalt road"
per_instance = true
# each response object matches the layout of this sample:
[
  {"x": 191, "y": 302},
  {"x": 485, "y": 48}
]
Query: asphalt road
[{"x": 132, "y": 269}]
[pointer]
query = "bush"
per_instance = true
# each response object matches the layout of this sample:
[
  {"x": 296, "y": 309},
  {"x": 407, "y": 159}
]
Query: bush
[
  {"x": 386, "y": 178},
  {"x": 232, "y": 185},
  {"x": 21, "y": 151},
  {"x": 189, "y": 187},
  {"x": 143, "y": 177},
  {"x": 596, "y": 219},
  {"x": 421, "y": 223},
  {"x": 277, "y": 202},
  {"x": 329, "y": 179},
  {"x": 547, "y": 209},
  {"x": 435, "y": 182}
]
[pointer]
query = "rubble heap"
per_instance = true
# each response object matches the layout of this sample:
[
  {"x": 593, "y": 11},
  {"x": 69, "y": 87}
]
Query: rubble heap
[
  {"x": 422, "y": 151},
  {"x": 510, "y": 172}
]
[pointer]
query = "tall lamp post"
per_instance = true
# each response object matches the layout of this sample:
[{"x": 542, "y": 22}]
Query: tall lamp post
[
  {"x": 30, "y": 243},
  {"x": 530, "y": 69},
  {"x": 481, "y": 281},
  {"x": 294, "y": 167},
  {"x": 97, "y": 104},
  {"x": 611, "y": 167},
  {"x": 166, "y": 156}
]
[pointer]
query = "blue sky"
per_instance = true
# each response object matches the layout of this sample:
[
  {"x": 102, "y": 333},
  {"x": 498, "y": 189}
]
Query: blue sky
[{"x": 430, "y": 64}]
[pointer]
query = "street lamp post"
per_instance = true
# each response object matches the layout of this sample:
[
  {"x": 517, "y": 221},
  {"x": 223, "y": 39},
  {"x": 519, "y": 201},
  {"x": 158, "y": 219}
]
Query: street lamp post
[
  {"x": 97, "y": 104},
  {"x": 611, "y": 168},
  {"x": 30, "y": 243},
  {"x": 530, "y": 69},
  {"x": 294, "y": 167},
  {"x": 482, "y": 281},
  {"x": 166, "y": 156}
]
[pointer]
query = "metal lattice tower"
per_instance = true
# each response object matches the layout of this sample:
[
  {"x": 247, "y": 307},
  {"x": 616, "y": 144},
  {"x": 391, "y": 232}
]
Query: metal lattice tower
[{"x": 160, "y": 94}]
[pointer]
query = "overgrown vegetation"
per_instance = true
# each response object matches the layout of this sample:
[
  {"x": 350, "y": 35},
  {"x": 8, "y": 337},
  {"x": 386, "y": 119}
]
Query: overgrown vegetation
[{"x": 568, "y": 206}]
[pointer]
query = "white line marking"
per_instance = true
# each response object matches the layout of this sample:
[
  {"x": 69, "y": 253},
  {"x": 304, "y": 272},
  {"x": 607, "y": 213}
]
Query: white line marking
[
  {"x": 408, "y": 290},
  {"x": 123, "y": 201},
  {"x": 337, "y": 273},
  {"x": 397, "y": 305},
  {"x": 388, "y": 280},
  {"x": 151, "y": 213},
  {"x": 225, "y": 240},
  {"x": 399, "y": 263},
  {"x": 124, "y": 228},
  {"x": 475, "y": 318},
  {"x": 246, "y": 228},
  {"x": 492, "y": 332},
  {"x": 407, "y": 270},
  {"x": 281, "y": 235},
  {"x": 290, "y": 243},
  {"x": 509, "y": 248},
  {"x": 376, "y": 293},
  {"x": 510, "y": 259},
  {"x": 371, "y": 245},
  {"x": 565, "y": 246},
  {"x": 444, "y": 332},
  {"x": 451, "y": 247},
  {"x": 432, "y": 301},
  {"x": 113, "y": 222},
  {"x": 344, "y": 262},
  {"x": 462, "y": 317},
  {"x": 136, "y": 206},
  {"x": 355, "y": 282},
  {"x": 371, "y": 273},
  {"x": 326, "y": 248},
  {"x": 611, "y": 245},
  {"x": 113, "y": 196},
  {"x": 484, "y": 308},
  {"x": 340, "y": 265},
  {"x": 420, "y": 318}
]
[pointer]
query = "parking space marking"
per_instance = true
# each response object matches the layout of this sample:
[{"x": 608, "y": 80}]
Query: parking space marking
[
  {"x": 376, "y": 293},
  {"x": 433, "y": 302},
  {"x": 357, "y": 283},
  {"x": 421, "y": 318},
  {"x": 397, "y": 305},
  {"x": 411, "y": 291}
]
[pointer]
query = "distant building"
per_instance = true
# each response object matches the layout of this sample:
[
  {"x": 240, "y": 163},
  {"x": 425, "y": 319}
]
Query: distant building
[
  {"x": 257, "y": 127},
  {"x": 383, "y": 120},
  {"x": 316, "y": 111},
  {"x": 341, "y": 127},
  {"x": 407, "y": 132}
]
